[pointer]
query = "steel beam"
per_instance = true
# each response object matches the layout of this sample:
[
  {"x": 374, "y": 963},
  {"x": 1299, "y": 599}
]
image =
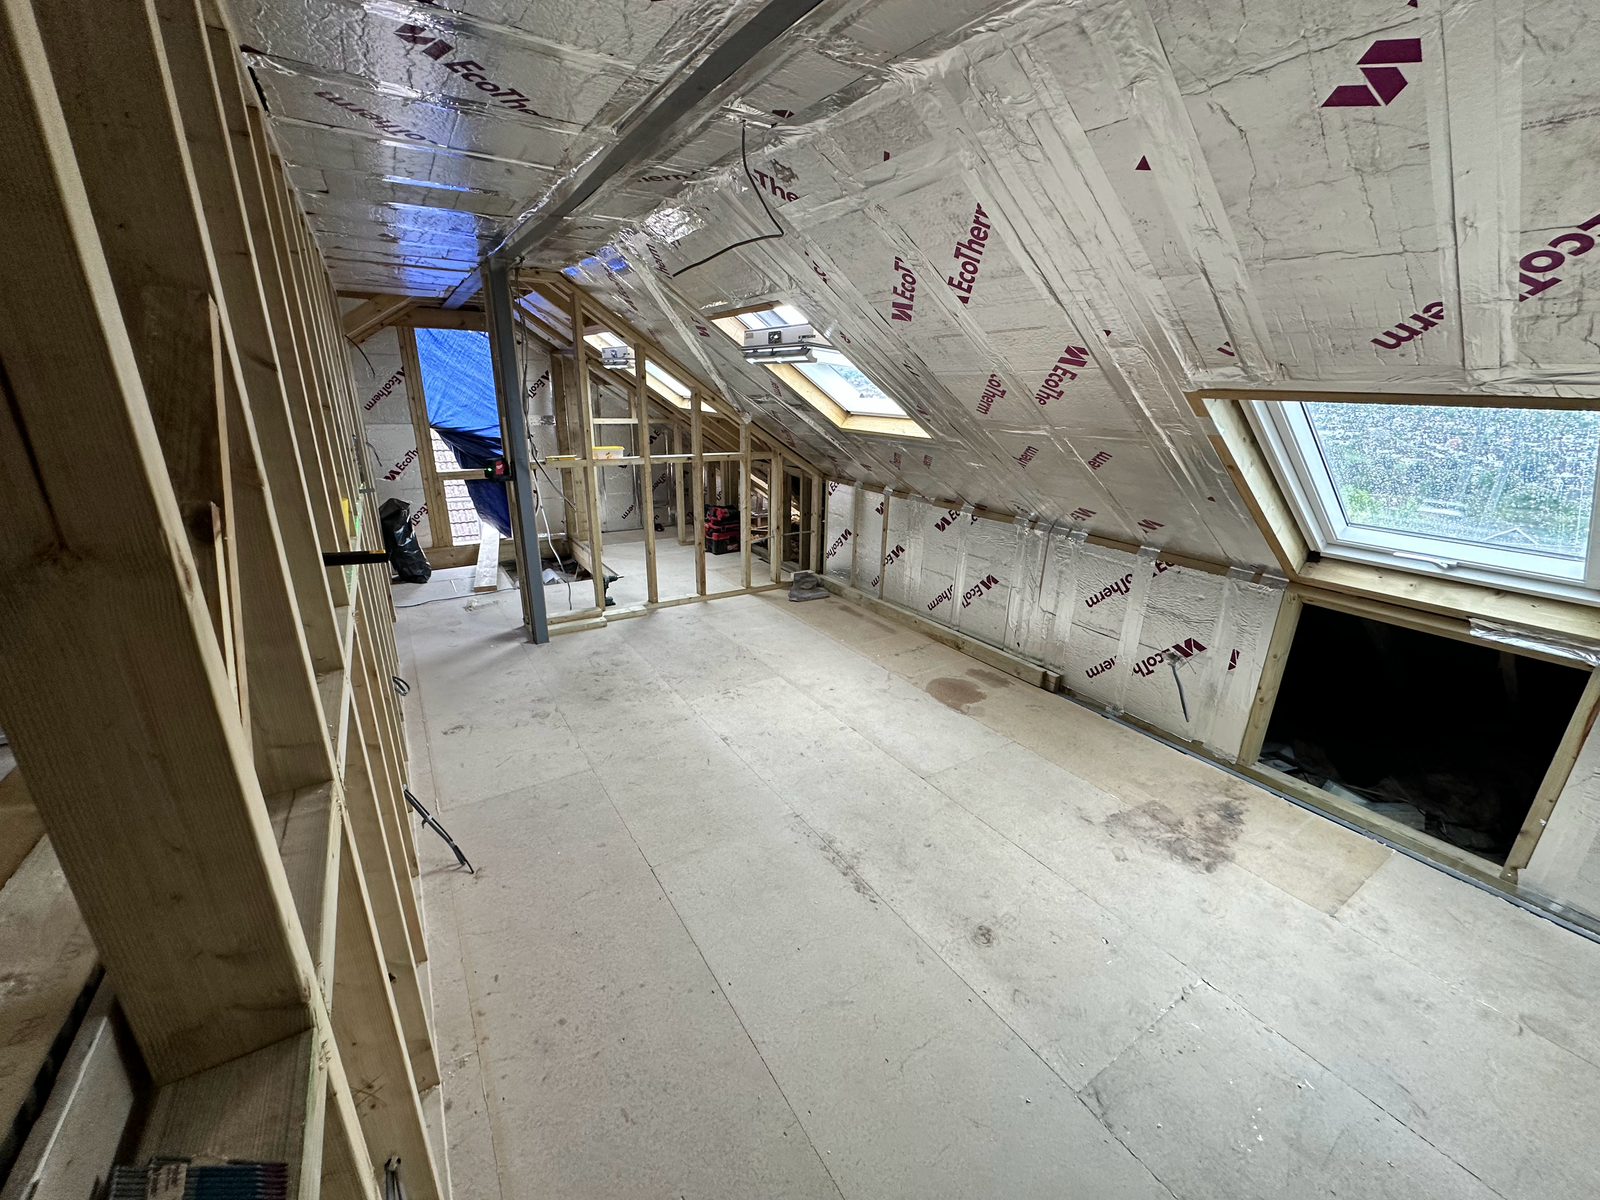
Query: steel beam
[{"x": 514, "y": 445}]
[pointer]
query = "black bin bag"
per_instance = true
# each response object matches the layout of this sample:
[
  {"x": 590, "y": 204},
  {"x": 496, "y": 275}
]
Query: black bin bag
[{"x": 400, "y": 543}]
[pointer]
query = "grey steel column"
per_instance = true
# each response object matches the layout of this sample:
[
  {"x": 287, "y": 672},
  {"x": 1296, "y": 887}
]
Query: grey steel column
[{"x": 514, "y": 444}]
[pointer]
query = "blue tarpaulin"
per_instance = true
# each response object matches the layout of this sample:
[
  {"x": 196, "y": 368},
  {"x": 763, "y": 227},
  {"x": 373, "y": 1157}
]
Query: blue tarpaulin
[{"x": 458, "y": 380}]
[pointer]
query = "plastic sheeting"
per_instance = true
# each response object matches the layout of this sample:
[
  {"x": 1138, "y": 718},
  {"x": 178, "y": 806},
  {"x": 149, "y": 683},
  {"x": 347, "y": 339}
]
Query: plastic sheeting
[
  {"x": 458, "y": 381},
  {"x": 1178, "y": 648}
]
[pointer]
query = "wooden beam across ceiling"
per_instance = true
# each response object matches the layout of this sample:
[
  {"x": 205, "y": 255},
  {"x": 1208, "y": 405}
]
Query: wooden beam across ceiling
[{"x": 367, "y": 318}]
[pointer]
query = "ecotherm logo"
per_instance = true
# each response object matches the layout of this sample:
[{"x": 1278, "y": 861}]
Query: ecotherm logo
[{"x": 1384, "y": 79}]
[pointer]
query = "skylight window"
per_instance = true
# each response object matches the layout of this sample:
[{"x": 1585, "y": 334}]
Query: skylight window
[
  {"x": 1492, "y": 494},
  {"x": 823, "y": 375},
  {"x": 847, "y": 387},
  {"x": 660, "y": 382}
]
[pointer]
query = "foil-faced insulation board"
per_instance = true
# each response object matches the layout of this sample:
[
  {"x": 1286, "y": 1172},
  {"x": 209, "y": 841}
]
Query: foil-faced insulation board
[
  {"x": 1178, "y": 648},
  {"x": 1037, "y": 225}
]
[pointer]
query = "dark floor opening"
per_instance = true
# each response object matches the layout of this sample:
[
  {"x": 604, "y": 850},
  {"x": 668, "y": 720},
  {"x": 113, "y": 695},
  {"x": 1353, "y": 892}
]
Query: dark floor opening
[{"x": 1448, "y": 737}]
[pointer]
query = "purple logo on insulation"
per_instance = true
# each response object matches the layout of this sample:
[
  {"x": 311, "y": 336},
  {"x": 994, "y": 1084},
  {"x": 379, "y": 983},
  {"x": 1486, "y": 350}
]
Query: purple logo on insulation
[
  {"x": 1430, "y": 316},
  {"x": 1187, "y": 648},
  {"x": 969, "y": 255},
  {"x": 385, "y": 389},
  {"x": 906, "y": 293},
  {"x": 1542, "y": 261},
  {"x": 1384, "y": 78},
  {"x": 978, "y": 589}
]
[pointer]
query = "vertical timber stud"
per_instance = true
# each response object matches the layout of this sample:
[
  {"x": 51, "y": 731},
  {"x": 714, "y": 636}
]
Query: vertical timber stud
[
  {"x": 1277, "y": 658},
  {"x": 817, "y": 489},
  {"x": 697, "y": 484},
  {"x": 680, "y": 483},
  {"x": 514, "y": 445},
  {"x": 777, "y": 503},
  {"x": 206, "y": 82},
  {"x": 159, "y": 825},
  {"x": 439, "y": 532},
  {"x": 572, "y": 521},
  {"x": 591, "y": 472},
  {"x": 158, "y": 252},
  {"x": 745, "y": 491},
  {"x": 641, "y": 415}
]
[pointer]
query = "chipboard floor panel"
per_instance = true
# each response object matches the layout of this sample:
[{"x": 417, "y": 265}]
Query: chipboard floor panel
[{"x": 783, "y": 900}]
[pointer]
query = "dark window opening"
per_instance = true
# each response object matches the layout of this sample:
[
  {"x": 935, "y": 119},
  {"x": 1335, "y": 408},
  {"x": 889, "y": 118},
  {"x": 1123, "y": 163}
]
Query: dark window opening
[{"x": 1445, "y": 736}]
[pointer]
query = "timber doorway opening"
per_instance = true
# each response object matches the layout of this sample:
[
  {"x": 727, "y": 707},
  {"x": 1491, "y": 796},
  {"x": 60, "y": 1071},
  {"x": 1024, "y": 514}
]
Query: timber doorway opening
[{"x": 1454, "y": 742}]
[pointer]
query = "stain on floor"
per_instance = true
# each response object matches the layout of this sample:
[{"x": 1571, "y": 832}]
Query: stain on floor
[
  {"x": 954, "y": 693},
  {"x": 1204, "y": 842}
]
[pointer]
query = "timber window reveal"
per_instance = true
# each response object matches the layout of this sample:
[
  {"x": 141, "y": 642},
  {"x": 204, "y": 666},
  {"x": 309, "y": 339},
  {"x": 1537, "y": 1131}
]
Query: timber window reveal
[
  {"x": 1500, "y": 496},
  {"x": 825, "y": 377}
]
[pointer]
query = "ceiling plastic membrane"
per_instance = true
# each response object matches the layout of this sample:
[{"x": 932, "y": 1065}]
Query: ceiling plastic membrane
[{"x": 1035, "y": 224}]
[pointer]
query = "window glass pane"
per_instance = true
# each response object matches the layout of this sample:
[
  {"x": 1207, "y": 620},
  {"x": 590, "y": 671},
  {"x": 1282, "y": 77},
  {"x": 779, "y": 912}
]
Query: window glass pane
[
  {"x": 670, "y": 382},
  {"x": 847, "y": 387},
  {"x": 838, "y": 378},
  {"x": 772, "y": 318},
  {"x": 1515, "y": 479},
  {"x": 766, "y": 318}
]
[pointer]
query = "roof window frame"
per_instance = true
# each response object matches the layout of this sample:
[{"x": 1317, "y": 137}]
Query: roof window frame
[
  {"x": 815, "y": 395},
  {"x": 1283, "y": 430}
]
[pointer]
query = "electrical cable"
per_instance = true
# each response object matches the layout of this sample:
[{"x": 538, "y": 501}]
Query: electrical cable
[
  {"x": 372, "y": 371},
  {"x": 567, "y": 576},
  {"x": 431, "y": 823},
  {"x": 551, "y": 536},
  {"x": 393, "y": 1188},
  {"x": 1182, "y": 699},
  {"x": 453, "y": 596},
  {"x": 761, "y": 237}
]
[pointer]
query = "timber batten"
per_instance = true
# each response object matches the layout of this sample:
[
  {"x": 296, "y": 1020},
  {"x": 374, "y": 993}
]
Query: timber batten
[{"x": 203, "y": 709}]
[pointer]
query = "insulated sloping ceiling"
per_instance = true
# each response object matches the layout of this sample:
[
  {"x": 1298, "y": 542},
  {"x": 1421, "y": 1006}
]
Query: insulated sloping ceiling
[{"x": 1101, "y": 205}]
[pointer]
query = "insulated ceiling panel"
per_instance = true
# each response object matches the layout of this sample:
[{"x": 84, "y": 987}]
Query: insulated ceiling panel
[{"x": 1036, "y": 223}]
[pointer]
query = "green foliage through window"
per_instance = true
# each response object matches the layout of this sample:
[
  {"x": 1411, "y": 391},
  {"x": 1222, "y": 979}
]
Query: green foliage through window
[{"x": 1517, "y": 479}]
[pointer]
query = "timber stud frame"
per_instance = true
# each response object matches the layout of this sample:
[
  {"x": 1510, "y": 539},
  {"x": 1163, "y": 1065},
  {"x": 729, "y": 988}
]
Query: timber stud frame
[
  {"x": 203, "y": 712},
  {"x": 720, "y": 438}
]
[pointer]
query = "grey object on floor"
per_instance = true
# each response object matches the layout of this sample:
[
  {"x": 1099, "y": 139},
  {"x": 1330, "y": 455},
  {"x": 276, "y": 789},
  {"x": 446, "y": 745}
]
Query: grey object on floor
[{"x": 806, "y": 586}]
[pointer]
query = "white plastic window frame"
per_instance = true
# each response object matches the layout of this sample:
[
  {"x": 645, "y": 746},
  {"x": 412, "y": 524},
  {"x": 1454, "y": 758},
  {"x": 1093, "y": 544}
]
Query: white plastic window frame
[{"x": 1284, "y": 431}]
